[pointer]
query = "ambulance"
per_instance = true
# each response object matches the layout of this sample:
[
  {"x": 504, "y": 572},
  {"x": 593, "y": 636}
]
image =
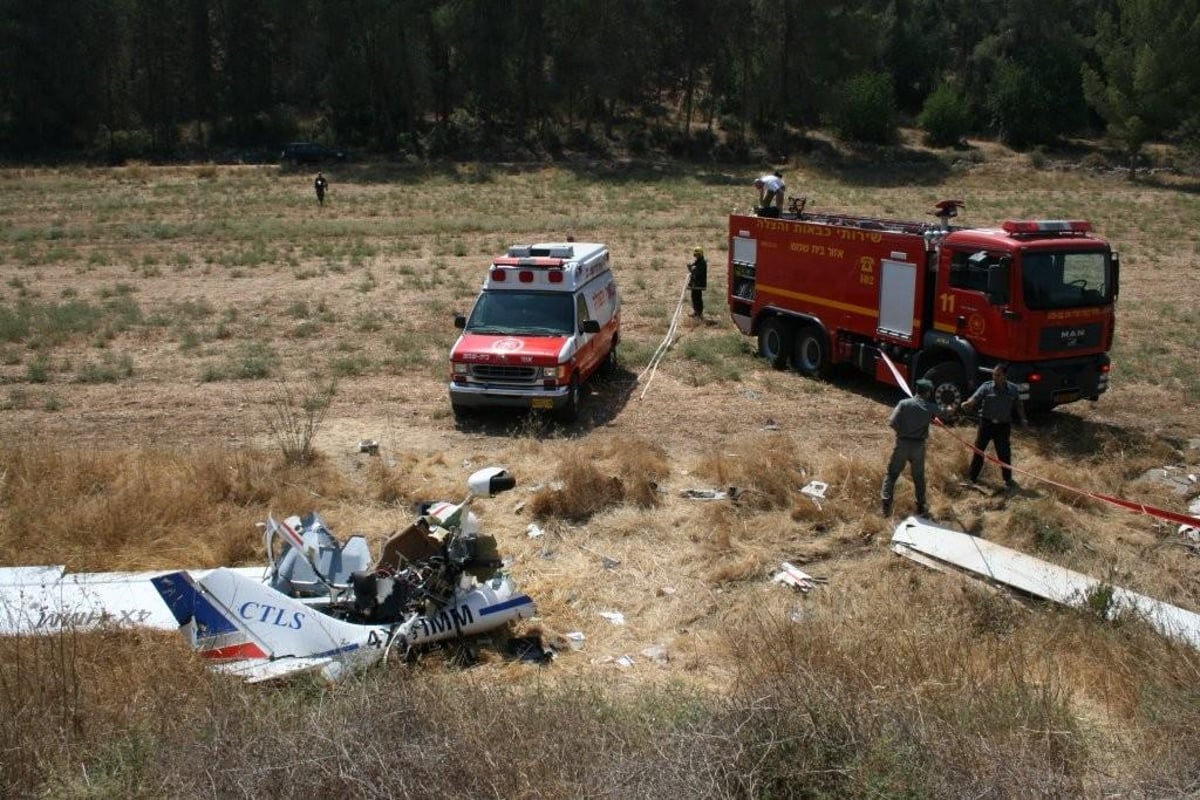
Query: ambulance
[{"x": 547, "y": 319}]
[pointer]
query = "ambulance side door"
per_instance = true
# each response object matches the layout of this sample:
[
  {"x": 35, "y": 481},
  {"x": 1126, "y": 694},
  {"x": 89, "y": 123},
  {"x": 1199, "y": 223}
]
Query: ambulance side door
[{"x": 587, "y": 350}]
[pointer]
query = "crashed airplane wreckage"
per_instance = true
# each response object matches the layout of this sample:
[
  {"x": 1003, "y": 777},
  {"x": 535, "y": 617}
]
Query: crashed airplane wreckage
[
  {"x": 320, "y": 606},
  {"x": 940, "y": 548}
]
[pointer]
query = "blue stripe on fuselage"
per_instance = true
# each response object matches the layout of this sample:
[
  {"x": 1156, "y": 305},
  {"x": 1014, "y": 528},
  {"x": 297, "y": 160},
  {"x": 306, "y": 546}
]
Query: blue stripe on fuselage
[{"x": 519, "y": 600}]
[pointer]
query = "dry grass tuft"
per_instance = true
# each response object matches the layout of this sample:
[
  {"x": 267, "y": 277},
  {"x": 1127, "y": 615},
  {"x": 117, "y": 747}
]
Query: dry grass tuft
[
  {"x": 765, "y": 471},
  {"x": 110, "y": 510},
  {"x": 585, "y": 491}
]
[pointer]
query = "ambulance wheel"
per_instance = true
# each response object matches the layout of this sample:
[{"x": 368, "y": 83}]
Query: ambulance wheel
[
  {"x": 810, "y": 355},
  {"x": 775, "y": 342},
  {"x": 949, "y": 383},
  {"x": 570, "y": 410}
]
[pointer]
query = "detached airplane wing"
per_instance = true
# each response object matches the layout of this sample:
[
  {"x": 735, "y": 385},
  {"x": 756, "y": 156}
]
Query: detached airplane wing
[
  {"x": 938, "y": 547},
  {"x": 45, "y": 600},
  {"x": 249, "y": 629}
]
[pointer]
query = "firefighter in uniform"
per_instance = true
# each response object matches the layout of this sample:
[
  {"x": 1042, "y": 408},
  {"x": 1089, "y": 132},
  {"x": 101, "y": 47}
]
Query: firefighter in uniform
[{"x": 698, "y": 282}]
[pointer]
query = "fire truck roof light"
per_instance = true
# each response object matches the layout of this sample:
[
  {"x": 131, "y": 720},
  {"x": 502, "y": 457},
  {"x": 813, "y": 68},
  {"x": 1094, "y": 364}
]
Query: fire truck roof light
[
  {"x": 1047, "y": 226},
  {"x": 497, "y": 274},
  {"x": 525, "y": 276},
  {"x": 555, "y": 277}
]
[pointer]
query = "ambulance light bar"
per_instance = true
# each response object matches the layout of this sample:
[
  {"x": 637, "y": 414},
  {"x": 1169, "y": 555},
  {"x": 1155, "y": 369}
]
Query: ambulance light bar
[
  {"x": 1018, "y": 226},
  {"x": 499, "y": 274}
]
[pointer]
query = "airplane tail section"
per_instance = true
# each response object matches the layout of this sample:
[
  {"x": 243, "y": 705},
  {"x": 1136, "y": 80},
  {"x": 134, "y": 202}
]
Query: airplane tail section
[{"x": 261, "y": 632}]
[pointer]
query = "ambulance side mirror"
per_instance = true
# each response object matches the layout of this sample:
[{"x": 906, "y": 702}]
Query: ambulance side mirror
[
  {"x": 460, "y": 321},
  {"x": 591, "y": 326}
]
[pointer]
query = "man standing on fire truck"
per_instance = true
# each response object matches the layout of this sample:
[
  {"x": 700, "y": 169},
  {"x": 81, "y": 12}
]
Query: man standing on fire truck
[
  {"x": 770, "y": 194},
  {"x": 999, "y": 404}
]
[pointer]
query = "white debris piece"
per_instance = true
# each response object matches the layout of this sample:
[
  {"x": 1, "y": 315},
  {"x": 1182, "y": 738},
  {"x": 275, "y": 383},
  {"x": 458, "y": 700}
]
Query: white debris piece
[
  {"x": 615, "y": 617},
  {"x": 534, "y": 532},
  {"x": 791, "y": 575},
  {"x": 1037, "y": 577},
  {"x": 1192, "y": 531},
  {"x": 815, "y": 490},
  {"x": 704, "y": 494}
]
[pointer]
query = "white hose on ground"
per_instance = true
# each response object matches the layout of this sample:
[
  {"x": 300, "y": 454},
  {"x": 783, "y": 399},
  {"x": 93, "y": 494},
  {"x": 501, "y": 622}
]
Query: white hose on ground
[{"x": 647, "y": 374}]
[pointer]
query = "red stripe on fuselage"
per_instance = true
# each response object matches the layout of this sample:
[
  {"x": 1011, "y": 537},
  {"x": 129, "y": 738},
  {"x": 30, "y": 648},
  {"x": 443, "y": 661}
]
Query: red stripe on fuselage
[{"x": 244, "y": 650}]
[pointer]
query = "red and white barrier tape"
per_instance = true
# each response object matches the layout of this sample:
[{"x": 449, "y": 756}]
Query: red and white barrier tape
[{"x": 1141, "y": 508}]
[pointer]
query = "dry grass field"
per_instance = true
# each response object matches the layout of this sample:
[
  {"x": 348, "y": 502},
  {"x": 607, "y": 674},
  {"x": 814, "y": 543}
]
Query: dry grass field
[{"x": 154, "y": 321}]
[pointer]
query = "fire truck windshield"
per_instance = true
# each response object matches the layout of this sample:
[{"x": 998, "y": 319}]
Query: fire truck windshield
[
  {"x": 545, "y": 313},
  {"x": 1066, "y": 279}
]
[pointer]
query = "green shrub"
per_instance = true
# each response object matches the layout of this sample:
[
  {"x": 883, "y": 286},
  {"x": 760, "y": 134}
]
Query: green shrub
[
  {"x": 946, "y": 117},
  {"x": 866, "y": 109}
]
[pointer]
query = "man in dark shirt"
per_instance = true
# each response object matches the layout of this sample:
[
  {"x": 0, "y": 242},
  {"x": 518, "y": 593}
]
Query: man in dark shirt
[
  {"x": 698, "y": 282},
  {"x": 910, "y": 420},
  {"x": 999, "y": 404},
  {"x": 320, "y": 185}
]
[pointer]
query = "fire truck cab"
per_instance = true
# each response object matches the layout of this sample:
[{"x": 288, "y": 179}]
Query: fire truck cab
[
  {"x": 943, "y": 302},
  {"x": 547, "y": 319}
]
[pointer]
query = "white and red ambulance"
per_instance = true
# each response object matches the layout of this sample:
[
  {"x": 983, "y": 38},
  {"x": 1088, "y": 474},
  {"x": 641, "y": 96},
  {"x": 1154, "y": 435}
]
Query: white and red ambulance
[{"x": 548, "y": 318}]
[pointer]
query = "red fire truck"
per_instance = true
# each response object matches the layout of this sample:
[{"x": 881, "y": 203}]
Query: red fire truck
[{"x": 943, "y": 302}]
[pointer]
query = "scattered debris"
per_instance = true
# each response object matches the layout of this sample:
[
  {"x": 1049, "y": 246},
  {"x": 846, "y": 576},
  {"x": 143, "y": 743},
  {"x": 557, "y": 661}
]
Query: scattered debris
[
  {"x": 656, "y": 653},
  {"x": 1192, "y": 532},
  {"x": 369, "y": 446},
  {"x": 665, "y": 591},
  {"x": 942, "y": 547},
  {"x": 609, "y": 562},
  {"x": 529, "y": 648},
  {"x": 534, "y": 532},
  {"x": 793, "y": 576},
  {"x": 815, "y": 490},
  {"x": 710, "y": 494},
  {"x": 615, "y": 617},
  {"x": 625, "y": 662},
  {"x": 574, "y": 640}
]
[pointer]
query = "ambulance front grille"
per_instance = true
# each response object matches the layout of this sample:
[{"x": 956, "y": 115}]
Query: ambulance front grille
[{"x": 501, "y": 372}]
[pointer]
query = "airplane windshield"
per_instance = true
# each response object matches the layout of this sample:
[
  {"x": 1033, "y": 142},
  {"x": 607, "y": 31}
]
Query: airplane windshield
[
  {"x": 523, "y": 312},
  {"x": 1066, "y": 280}
]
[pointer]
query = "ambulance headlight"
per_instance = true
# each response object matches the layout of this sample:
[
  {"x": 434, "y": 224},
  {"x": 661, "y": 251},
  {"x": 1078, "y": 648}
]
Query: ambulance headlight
[{"x": 459, "y": 369}]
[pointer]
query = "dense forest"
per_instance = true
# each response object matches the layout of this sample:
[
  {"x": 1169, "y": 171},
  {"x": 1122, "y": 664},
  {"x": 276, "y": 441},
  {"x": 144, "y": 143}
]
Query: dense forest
[{"x": 114, "y": 79}]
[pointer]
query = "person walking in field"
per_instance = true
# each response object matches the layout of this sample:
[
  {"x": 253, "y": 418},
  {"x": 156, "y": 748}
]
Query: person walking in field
[
  {"x": 999, "y": 404},
  {"x": 698, "y": 282},
  {"x": 320, "y": 185},
  {"x": 910, "y": 420}
]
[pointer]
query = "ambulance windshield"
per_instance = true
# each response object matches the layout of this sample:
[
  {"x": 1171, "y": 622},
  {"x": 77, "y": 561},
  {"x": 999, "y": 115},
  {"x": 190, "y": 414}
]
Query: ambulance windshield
[
  {"x": 1065, "y": 279},
  {"x": 507, "y": 312}
]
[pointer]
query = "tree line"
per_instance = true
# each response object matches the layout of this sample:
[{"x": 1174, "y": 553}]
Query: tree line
[{"x": 505, "y": 78}]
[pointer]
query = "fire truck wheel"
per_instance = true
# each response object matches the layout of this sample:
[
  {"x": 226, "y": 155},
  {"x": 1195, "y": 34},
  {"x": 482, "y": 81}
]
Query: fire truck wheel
[
  {"x": 775, "y": 342},
  {"x": 949, "y": 383},
  {"x": 570, "y": 410},
  {"x": 811, "y": 354}
]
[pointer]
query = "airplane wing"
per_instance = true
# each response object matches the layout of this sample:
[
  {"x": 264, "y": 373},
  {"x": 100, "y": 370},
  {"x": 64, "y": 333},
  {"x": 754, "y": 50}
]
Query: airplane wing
[
  {"x": 250, "y": 629},
  {"x": 48, "y": 599}
]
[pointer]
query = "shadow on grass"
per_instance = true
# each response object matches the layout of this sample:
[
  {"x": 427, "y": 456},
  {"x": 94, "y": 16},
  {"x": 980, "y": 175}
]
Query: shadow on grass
[{"x": 604, "y": 397}]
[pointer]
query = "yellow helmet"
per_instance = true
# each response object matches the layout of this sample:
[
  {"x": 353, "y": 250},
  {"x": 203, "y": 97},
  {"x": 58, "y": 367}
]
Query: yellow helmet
[{"x": 699, "y": 251}]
